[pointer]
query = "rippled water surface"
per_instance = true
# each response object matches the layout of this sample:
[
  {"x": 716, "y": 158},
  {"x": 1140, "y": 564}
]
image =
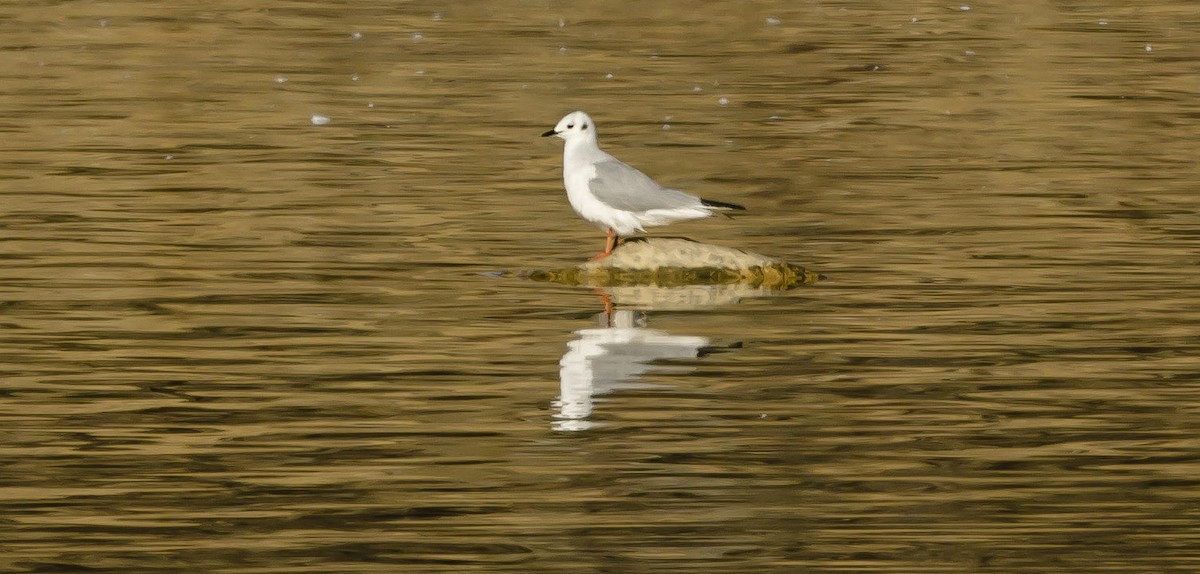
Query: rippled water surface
[{"x": 237, "y": 341}]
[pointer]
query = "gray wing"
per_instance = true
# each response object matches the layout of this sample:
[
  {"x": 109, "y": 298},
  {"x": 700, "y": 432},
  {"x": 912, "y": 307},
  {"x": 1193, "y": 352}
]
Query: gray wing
[{"x": 623, "y": 187}]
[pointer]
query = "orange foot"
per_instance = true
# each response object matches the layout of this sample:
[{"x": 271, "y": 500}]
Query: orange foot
[{"x": 609, "y": 244}]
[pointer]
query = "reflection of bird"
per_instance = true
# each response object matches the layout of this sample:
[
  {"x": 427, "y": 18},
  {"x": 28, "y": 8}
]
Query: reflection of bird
[
  {"x": 613, "y": 195},
  {"x": 603, "y": 360}
]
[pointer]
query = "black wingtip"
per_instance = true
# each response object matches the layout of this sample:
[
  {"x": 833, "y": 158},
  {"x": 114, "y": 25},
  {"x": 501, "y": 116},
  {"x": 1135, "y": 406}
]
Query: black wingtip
[{"x": 721, "y": 205}]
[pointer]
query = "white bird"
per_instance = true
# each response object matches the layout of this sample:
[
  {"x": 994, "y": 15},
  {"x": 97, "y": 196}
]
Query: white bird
[{"x": 612, "y": 194}]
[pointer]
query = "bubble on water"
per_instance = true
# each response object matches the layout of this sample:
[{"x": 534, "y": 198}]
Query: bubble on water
[
  {"x": 371, "y": 105},
  {"x": 437, "y": 16},
  {"x": 968, "y": 52},
  {"x": 319, "y": 120},
  {"x": 697, "y": 89},
  {"x": 666, "y": 126},
  {"x": 608, "y": 76},
  {"x": 356, "y": 35},
  {"x": 1102, "y": 22},
  {"x": 354, "y": 78},
  {"x": 562, "y": 23},
  {"x": 1149, "y": 48},
  {"x": 914, "y": 20},
  {"x": 420, "y": 72},
  {"x": 723, "y": 101},
  {"x": 104, "y": 23},
  {"x": 562, "y": 49},
  {"x": 774, "y": 21},
  {"x": 417, "y": 37},
  {"x": 964, "y": 8},
  {"x": 280, "y": 79},
  {"x": 168, "y": 156}
]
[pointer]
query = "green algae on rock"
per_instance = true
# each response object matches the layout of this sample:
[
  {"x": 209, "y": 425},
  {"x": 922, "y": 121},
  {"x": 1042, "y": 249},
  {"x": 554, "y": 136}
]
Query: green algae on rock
[{"x": 666, "y": 261}]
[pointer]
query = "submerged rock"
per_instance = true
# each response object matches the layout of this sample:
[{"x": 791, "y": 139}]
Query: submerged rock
[{"x": 665, "y": 261}]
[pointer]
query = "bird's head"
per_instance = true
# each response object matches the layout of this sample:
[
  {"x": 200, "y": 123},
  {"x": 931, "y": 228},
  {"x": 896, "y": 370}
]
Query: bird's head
[{"x": 574, "y": 126}]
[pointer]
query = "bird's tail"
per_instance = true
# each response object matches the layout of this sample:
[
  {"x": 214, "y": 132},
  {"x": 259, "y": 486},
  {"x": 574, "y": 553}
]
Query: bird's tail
[{"x": 721, "y": 205}]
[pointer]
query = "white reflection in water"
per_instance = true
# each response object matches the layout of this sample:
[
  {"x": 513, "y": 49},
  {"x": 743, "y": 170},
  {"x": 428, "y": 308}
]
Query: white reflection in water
[{"x": 613, "y": 357}]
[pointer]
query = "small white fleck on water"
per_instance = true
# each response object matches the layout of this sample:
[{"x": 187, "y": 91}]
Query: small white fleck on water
[{"x": 319, "y": 120}]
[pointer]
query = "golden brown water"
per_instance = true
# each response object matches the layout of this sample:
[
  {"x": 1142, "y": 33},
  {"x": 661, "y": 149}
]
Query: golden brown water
[{"x": 238, "y": 342}]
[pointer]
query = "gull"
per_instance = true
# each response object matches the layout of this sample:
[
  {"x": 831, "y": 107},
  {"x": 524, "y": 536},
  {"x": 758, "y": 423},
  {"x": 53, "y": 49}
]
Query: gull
[{"x": 615, "y": 196}]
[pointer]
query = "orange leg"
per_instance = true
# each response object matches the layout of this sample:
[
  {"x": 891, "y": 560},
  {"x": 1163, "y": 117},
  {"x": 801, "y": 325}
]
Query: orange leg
[{"x": 608, "y": 246}]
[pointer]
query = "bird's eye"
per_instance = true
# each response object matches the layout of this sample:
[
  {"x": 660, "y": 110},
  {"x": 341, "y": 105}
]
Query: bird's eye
[
  {"x": 584, "y": 127},
  {"x": 569, "y": 126}
]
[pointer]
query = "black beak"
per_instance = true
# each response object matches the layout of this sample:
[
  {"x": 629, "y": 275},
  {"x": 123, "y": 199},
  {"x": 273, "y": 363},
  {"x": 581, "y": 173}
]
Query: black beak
[{"x": 549, "y": 133}]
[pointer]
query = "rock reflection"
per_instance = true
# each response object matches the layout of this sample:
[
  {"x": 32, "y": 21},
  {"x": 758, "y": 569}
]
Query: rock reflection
[{"x": 613, "y": 357}]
